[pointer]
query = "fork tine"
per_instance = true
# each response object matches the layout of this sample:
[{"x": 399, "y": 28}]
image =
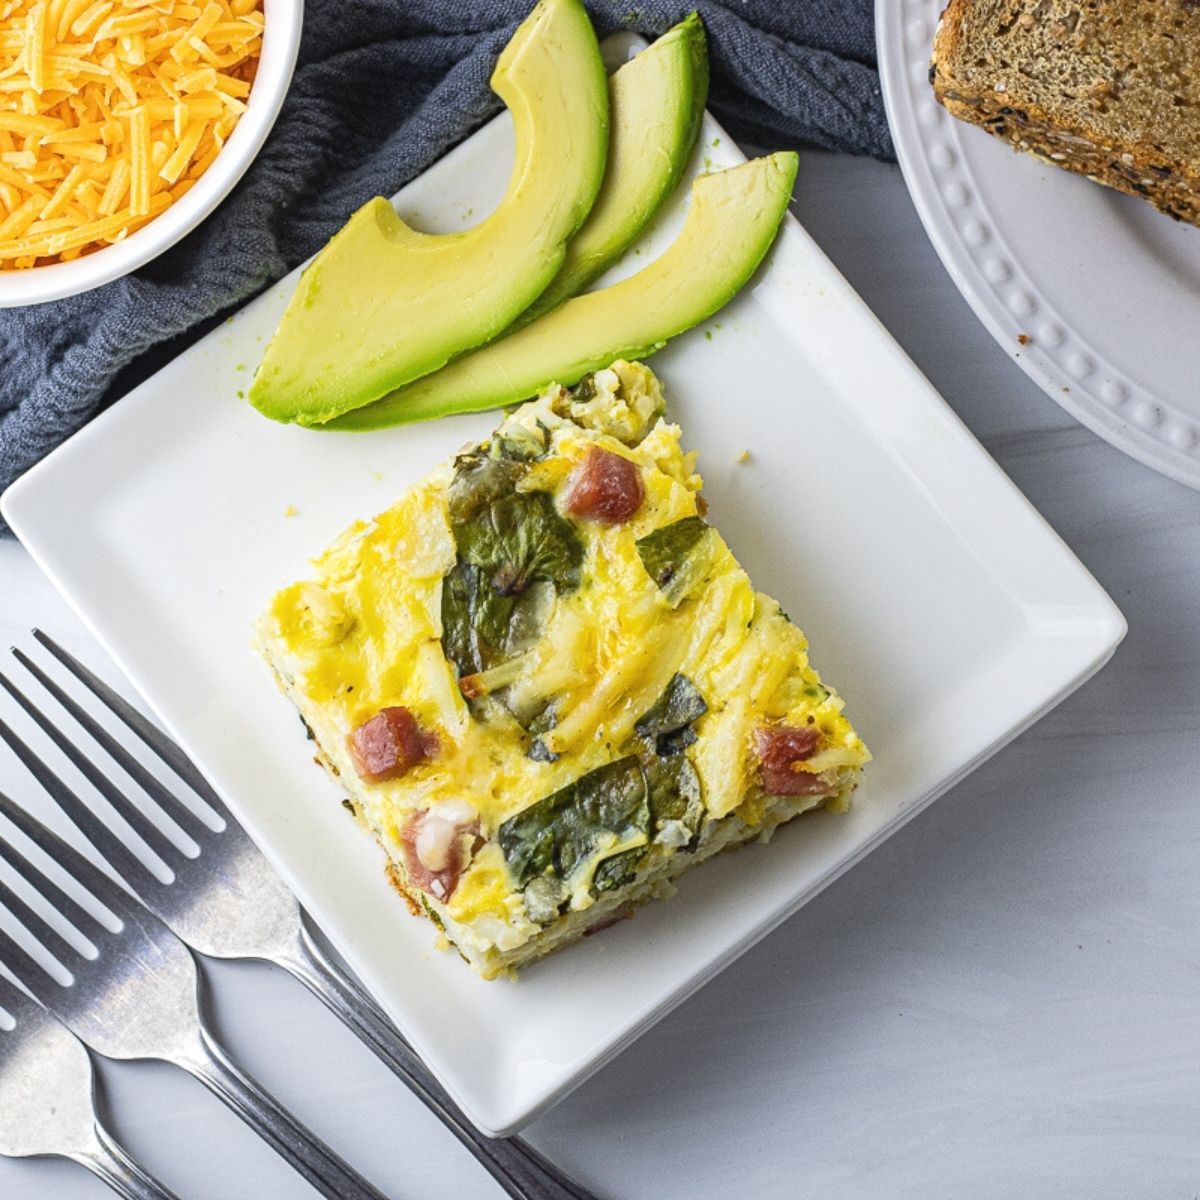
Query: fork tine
[
  {"x": 49, "y": 937},
  {"x": 91, "y": 878},
  {"x": 153, "y": 737},
  {"x": 146, "y": 829},
  {"x": 125, "y": 862},
  {"x": 27, "y": 969},
  {"x": 37, "y": 879},
  {"x": 14, "y": 956}
]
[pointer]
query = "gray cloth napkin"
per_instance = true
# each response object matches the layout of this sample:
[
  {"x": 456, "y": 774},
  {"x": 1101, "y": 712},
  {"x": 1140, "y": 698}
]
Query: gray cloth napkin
[{"x": 382, "y": 89}]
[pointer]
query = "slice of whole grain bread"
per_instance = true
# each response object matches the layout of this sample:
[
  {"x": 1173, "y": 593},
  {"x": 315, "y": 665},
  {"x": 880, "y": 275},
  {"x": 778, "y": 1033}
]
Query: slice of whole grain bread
[{"x": 1109, "y": 89}]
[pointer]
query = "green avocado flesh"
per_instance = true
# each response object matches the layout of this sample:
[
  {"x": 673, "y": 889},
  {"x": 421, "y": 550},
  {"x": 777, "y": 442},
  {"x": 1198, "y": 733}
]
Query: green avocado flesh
[
  {"x": 383, "y": 304},
  {"x": 730, "y": 225},
  {"x": 655, "y": 104}
]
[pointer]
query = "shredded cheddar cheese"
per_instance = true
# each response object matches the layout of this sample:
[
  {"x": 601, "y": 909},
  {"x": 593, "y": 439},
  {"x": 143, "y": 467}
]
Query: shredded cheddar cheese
[{"x": 109, "y": 111}]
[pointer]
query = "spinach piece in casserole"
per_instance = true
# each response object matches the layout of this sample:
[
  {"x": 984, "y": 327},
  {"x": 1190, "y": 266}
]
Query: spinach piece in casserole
[
  {"x": 671, "y": 779},
  {"x": 515, "y": 554},
  {"x": 668, "y": 724},
  {"x": 617, "y": 870},
  {"x": 520, "y": 538},
  {"x": 482, "y": 629},
  {"x": 585, "y": 389},
  {"x": 677, "y": 556},
  {"x": 673, "y": 785},
  {"x": 481, "y": 475},
  {"x": 520, "y": 444},
  {"x": 556, "y": 834}
]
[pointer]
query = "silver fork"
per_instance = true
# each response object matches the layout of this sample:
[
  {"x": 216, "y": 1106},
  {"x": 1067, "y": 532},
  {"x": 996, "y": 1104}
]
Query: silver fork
[
  {"x": 229, "y": 902},
  {"x": 140, "y": 997},
  {"x": 47, "y": 1100}
]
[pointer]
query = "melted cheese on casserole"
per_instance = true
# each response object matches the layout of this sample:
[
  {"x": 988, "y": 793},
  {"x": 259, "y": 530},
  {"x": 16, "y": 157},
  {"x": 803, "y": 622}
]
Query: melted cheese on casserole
[{"x": 364, "y": 633}]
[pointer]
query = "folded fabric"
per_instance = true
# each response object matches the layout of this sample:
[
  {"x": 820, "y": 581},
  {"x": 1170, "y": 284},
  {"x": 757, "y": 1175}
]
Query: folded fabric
[{"x": 382, "y": 89}]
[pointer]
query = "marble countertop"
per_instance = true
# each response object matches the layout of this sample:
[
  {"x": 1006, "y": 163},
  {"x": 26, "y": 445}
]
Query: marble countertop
[{"x": 1003, "y": 1000}]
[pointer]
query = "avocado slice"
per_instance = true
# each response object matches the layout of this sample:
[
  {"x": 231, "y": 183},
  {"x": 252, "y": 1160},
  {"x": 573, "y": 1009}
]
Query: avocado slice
[
  {"x": 383, "y": 304},
  {"x": 655, "y": 104},
  {"x": 730, "y": 225}
]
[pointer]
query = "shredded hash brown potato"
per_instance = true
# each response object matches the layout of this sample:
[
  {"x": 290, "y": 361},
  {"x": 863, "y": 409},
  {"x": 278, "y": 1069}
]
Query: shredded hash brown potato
[{"x": 109, "y": 111}]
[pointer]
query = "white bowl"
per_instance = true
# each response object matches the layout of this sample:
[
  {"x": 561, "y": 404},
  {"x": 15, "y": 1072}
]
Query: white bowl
[{"x": 281, "y": 40}]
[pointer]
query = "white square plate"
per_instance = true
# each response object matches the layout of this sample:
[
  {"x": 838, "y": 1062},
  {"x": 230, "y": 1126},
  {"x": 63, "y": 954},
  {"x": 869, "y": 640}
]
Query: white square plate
[{"x": 936, "y": 599}]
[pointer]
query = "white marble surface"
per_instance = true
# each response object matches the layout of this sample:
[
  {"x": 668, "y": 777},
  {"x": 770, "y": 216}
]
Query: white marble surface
[{"x": 1003, "y": 1001}]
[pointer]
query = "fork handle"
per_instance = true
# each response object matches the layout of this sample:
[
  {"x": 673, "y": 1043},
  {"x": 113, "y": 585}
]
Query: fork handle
[
  {"x": 108, "y": 1160},
  {"x": 519, "y": 1169},
  {"x": 330, "y": 1174}
]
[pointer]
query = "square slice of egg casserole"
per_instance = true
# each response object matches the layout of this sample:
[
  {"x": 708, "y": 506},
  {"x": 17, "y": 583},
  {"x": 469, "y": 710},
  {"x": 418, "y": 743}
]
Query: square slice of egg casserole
[{"x": 546, "y": 684}]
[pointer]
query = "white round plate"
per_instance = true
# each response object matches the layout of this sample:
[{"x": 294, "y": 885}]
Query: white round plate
[{"x": 1095, "y": 295}]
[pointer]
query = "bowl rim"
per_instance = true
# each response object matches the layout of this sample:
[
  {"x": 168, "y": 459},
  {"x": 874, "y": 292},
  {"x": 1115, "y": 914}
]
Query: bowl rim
[{"x": 277, "y": 63}]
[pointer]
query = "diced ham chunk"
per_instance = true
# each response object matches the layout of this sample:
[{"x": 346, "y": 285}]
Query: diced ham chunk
[
  {"x": 605, "y": 487},
  {"x": 437, "y": 844},
  {"x": 389, "y": 744},
  {"x": 781, "y": 748}
]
